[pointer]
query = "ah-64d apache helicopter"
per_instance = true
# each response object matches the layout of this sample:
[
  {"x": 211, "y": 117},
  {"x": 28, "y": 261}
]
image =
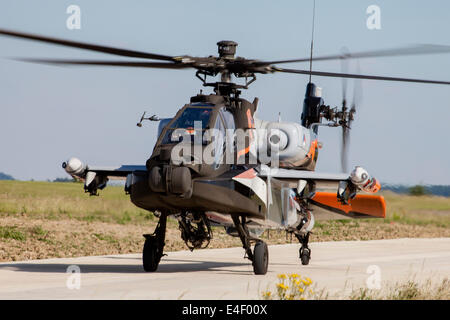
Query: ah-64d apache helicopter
[{"x": 244, "y": 195}]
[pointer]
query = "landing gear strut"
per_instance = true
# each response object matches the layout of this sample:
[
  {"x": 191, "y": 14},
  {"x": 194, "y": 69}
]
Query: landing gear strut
[
  {"x": 154, "y": 245},
  {"x": 304, "y": 251},
  {"x": 260, "y": 255}
]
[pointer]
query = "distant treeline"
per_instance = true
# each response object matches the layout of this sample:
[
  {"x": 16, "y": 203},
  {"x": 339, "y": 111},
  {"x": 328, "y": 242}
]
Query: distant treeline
[
  {"x": 437, "y": 190},
  {"x": 64, "y": 180},
  {"x": 4, "y": 176}
]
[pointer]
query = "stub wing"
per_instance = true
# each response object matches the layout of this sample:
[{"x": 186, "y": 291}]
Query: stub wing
[
  {"x": 320, "y": 179},
  {"x": 330, "y": 196},
  {"x": 96, "y": 177},
  {"x": 265, "y": 171},
  {"x": 119, "y": 171}
]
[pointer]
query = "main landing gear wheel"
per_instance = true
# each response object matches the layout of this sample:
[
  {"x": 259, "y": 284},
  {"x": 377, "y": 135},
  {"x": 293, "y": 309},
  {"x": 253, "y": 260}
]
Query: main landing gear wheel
[
  {"x": 151, "y": 255},
  {"x": 260, "y": 255},
  {"x": 154, "y": 246},
  {"x": 260, "y": 258}
]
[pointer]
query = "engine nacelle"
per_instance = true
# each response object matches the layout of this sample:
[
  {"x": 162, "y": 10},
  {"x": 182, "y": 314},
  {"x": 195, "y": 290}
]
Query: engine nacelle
[
  {"x": 288, "y": 141},
  {"x": 363, "y": 180}
]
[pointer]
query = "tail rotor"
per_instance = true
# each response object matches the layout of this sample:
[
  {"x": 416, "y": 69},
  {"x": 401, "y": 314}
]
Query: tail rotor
[{"x": 347, "y": 116}]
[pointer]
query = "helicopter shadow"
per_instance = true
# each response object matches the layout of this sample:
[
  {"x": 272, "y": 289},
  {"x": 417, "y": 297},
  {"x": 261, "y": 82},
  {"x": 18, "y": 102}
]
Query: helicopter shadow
[{"x": 164, "y": 267}]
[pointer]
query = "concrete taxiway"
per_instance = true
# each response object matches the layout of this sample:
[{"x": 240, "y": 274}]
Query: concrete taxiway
[{"x": 223, "y": 273}]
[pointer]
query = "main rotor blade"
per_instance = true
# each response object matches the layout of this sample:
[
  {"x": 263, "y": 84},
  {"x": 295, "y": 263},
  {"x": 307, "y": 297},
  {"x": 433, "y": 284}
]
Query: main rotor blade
[
  {"x": 402, "y": 51},
  {"x": 355, "y": 76},
  {"x": 87, "y": 46},
  {"x": 139, "y": 64},
  {"x": 344, "y": 69},
  {"x": 357, "y": 90}
]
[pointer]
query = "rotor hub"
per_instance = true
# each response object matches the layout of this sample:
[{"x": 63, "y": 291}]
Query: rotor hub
[{"x": 226, "y": 48}]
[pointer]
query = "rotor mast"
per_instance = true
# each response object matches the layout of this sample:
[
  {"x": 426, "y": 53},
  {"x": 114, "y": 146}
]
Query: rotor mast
[{"x": 227, "y": 51}]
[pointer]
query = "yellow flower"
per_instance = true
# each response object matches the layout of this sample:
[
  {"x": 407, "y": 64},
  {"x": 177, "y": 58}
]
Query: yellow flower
[
  {"x": 281, "y": 276},
  {"x": 282, "y": 286},
  {"x": 297, "y": 282},
  {"x": 301, "y": 290},
  {"x": 294, "y": 275},
  {"x": 309, "y": 280}
]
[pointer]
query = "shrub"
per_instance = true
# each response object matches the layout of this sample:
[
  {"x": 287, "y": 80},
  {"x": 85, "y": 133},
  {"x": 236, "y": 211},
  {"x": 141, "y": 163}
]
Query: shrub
[{"x": 417, "y": 190}]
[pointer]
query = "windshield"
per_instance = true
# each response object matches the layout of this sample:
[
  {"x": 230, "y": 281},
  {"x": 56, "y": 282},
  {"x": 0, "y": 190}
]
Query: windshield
[
  {"x": 187, "y": 120},
  {"x": 162, "y": 124},
  {"x": 191, "y": 114}
]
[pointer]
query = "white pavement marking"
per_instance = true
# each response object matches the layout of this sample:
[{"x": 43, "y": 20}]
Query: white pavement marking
[{"x": 223, "y": 273}]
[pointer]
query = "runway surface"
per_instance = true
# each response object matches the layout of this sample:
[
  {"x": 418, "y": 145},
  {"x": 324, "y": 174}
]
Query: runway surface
[{"x": 223, "y": 273}]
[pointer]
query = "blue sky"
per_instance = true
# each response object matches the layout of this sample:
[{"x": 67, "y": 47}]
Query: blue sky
[{"x": 50, "y": 113}]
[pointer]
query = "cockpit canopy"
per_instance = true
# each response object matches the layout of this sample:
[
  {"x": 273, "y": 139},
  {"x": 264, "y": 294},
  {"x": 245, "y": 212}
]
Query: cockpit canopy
[
  {"x": 197, "y": 116},
  {"x": 195, "y": 112}
]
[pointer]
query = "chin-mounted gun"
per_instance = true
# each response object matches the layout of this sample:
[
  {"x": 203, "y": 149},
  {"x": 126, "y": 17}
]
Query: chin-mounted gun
[{"x": 359, "y": 180}]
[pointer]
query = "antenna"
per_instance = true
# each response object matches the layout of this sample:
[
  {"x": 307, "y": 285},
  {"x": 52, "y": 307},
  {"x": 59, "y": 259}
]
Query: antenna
[{"x": 312, "y": 40}]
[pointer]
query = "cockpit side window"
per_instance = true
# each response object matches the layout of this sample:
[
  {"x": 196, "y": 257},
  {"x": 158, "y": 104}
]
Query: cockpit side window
[
  {"x": 228, "y": 119},
  {"x": 219, "y": 140}
]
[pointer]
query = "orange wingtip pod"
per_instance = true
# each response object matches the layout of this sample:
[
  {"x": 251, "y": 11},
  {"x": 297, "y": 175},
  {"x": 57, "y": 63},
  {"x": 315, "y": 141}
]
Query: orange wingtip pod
[{"x": 360, "y": 206}]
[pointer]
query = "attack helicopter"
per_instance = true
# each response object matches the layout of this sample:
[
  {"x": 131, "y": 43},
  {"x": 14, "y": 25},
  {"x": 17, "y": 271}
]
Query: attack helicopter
[{"x": 216, "y": 163}]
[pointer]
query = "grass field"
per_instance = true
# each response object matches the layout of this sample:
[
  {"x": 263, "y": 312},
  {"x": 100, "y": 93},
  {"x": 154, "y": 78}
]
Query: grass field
[
  {"x": 48, "y": 219},
  {"x": 295, "y": 287}
]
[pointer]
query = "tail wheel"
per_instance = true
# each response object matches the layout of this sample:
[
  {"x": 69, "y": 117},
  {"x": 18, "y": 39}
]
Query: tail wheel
[
  {"x": 151, "y": 255},
  {"x": 260, "y": 258},
  {"x": 305, "y": 256}
]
